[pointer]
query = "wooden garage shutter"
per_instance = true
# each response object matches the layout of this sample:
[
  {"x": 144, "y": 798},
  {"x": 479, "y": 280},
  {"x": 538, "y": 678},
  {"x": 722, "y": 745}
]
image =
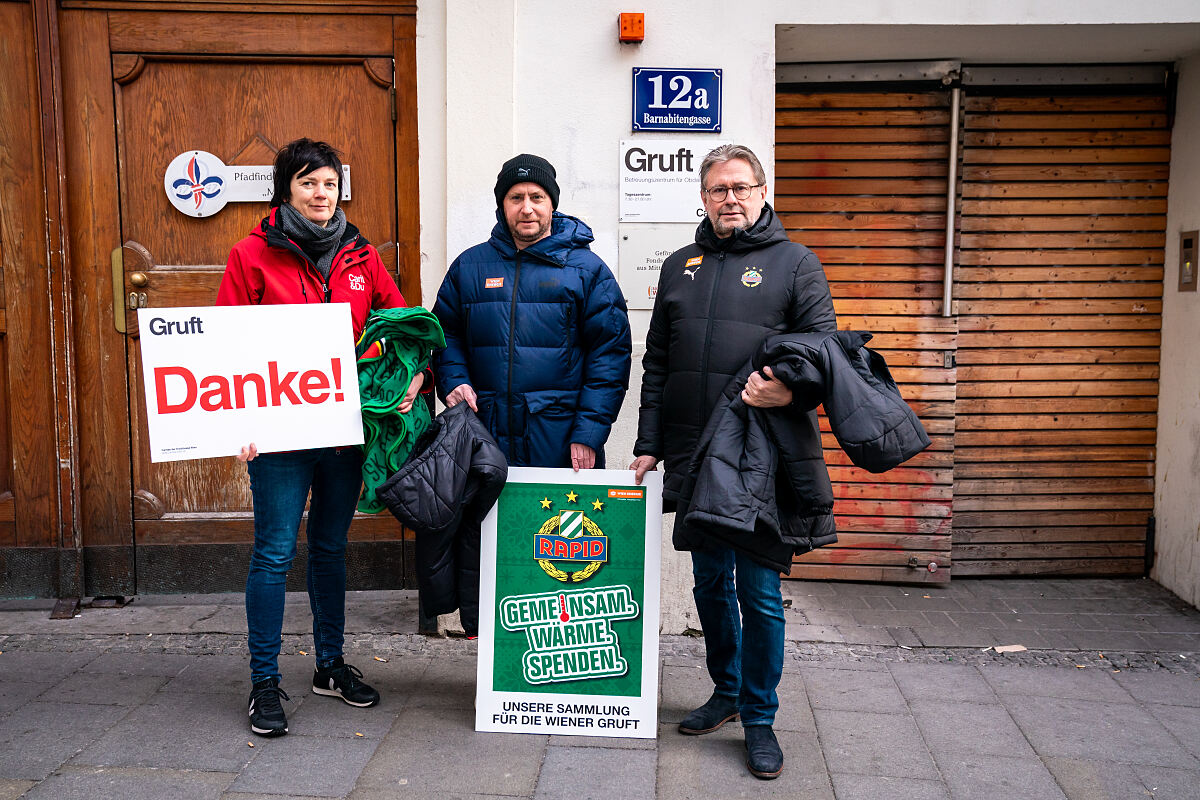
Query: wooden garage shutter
[
  {"x": 861, "y": 179},
  {"x": 1058, "y": 292}
]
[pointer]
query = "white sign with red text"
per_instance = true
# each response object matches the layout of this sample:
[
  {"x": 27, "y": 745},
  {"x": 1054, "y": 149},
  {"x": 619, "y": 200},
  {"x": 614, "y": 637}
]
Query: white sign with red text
[{"x": 216, "y": 379}]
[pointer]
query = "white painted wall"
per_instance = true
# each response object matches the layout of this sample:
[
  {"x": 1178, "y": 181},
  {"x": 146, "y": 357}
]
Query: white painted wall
[
  {"x": 551, "y": 78},
  {"x": 432, "y": 34},
  {"x": 466, "y": 107},
  {"x": 1177, "y": 478},
  {"x": 499, "y": 77}
]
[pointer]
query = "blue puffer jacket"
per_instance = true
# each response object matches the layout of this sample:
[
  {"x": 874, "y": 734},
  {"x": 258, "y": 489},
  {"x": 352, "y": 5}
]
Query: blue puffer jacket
[{"x": 563, "y": 374}]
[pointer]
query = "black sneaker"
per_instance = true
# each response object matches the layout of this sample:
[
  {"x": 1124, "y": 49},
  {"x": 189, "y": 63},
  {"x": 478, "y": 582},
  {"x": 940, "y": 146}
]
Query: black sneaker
[
  {"x": 266, "y": 712},
  {"x": 709, "y": 717},
  {"x": 342, "y": 680},
  {"x": 764, "y": 759}
]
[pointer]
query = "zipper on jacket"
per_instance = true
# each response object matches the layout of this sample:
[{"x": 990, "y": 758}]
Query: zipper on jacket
[
  {"x": 512, "y": 327},
  {"x": 712, "y": 307},
  {"x": 326, "y": 291}
]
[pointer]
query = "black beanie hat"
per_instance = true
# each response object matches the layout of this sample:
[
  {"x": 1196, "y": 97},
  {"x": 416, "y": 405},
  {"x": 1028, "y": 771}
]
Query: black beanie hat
[{"x": 526, "y": 167}]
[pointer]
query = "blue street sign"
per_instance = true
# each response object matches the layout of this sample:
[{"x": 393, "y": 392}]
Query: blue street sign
[{"x": 676, "y": 99}]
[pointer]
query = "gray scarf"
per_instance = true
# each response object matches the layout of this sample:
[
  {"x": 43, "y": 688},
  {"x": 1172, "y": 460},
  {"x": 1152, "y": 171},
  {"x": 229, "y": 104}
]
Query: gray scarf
[{"x": 319, "y": 244}]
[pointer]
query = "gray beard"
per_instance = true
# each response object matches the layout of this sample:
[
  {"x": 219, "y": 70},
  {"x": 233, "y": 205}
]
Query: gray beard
[{"x": 723, "y": 231}]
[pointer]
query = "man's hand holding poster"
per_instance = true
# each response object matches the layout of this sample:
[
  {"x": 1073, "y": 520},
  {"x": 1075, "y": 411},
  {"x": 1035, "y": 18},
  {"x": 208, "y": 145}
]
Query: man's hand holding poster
[{"x": 216, "y": 379}]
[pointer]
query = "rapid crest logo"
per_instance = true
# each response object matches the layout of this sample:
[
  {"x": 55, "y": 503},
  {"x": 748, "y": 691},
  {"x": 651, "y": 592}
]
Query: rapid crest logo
[{"x": 570, "y": 547}]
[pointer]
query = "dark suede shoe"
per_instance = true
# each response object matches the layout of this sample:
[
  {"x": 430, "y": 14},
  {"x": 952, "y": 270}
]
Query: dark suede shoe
[
  {"x": 712, "y": 715},
  {"x": 764, "y": 759}
]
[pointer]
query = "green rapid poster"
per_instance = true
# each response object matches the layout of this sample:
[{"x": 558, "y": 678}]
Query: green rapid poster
[{"x": 568, "y": 605}]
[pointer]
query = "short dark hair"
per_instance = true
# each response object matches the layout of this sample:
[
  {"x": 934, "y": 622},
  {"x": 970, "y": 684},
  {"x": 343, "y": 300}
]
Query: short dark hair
[{"x": 299, "y": 158}]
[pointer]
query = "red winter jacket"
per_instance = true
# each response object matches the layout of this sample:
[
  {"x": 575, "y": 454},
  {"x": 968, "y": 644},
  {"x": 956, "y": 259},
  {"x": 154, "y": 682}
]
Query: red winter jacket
[{"x": 268, "y": 268}]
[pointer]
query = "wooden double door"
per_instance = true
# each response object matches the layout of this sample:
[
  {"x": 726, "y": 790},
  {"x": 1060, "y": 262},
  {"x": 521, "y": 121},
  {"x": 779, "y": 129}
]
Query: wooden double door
[
  {"x": 1038, "y": 385},
  {"x": 140, "y": 88}
]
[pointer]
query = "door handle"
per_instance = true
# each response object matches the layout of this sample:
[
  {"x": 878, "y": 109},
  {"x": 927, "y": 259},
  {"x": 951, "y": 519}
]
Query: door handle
[{"x": 138, "y": 279}]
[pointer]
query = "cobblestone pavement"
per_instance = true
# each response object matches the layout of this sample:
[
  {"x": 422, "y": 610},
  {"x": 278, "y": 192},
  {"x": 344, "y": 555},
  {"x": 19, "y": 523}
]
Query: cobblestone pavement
[{"x": 888, "y": 692}]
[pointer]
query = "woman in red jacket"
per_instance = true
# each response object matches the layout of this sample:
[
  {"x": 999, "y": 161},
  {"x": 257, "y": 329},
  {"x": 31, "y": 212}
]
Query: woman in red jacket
[{"x": 304, "y": 251}]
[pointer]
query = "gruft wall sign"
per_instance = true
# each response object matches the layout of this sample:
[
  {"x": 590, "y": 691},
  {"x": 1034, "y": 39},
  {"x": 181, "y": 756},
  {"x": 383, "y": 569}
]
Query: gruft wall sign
[
  {"x": 568, "y": 605},
  {"x": 660, "y": 179},
  {"x": 199, "y": 184}
]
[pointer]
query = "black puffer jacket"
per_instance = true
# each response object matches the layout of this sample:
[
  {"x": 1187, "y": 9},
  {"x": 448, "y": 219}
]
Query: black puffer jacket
[
  {"x": 443, "y": 491},
  {"x": 755, "y": 482},
  {"x": 717, "y": 300},
  {"x": 871, "y": 421}
]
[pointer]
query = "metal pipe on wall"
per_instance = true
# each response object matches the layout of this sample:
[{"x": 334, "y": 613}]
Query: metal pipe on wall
[{"x": 951, "y": 191}]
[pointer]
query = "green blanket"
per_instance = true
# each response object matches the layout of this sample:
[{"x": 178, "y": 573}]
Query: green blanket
[{"x": 395, "y": 345}]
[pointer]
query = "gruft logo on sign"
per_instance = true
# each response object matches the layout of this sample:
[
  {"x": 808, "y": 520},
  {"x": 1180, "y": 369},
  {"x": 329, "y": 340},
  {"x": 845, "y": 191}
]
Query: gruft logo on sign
[
  {"x": 280, "y": 376},
  {"x": 569, "y": 605},
  {"x": 660, "y": 180}
]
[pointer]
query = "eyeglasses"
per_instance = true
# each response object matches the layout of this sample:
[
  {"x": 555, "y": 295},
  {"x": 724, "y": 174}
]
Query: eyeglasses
[{"x": 741, "y": 191}]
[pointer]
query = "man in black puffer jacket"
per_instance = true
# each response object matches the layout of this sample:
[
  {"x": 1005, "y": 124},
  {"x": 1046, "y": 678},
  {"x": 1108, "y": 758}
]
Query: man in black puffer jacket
[{"x": 717, "y": 300}]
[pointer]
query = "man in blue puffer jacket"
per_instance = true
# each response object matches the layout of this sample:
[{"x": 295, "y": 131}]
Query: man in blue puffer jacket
[{"x": 537, "y": 333}]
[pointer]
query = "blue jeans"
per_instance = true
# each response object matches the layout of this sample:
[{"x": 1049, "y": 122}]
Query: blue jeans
[
  {"x": 280, "y": 484},
  {"x": 744, "y": 649}
]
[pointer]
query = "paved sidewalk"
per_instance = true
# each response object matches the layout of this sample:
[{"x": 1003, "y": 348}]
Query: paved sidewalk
[{"x": 887, "y": 692}]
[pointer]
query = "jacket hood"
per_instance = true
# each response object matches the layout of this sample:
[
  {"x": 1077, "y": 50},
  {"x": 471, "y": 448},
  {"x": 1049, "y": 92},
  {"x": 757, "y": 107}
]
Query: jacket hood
[
  {"x": 567, "y": 233},
  {"x": 767, "y": 229},
  {"x": 269, "y": 229}
]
